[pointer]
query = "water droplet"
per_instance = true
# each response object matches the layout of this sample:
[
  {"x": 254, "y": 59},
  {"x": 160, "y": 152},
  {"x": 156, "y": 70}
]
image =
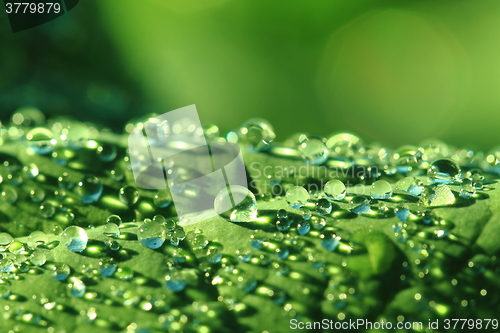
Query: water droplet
[
  {"x": 38, "y": 258},
  {"x": 359, "y": 205},
  {"x": 437, "y": 195},
  {"x": 410, "y": 185},
  {"x": 115, "y": 219},
  {"x": 110, "y": 230},
  {"x": 60, "y": 271},
  {"x": 124, "y": 273},
  {"x": 113, "y": 245},
  {"x": 37, "y": 238},
  {"x": 175, "y": 281},
  {"x": 334, "y": 190},
  {"x": 106, "y": 152},
  {"x": 74, "y": 239},
  {"x": 381, "y": 190},
  {"x": 256, "y": 134},
  {"x": 5, "y": 239},
  {"x": 47, "y": 210},
  {"x": 283, "y": 224},
  {"x": 129, "y": 195},
  {"x": 9, "y": 195},
  {"x": 330, "y": 241},
  {"x": 444, "y": 171},
  {"x": 40, "y": 140},
  {"x": 162, "y": 199},
  {"x": 467, "y": 189},
  {"x": 4, "y": 289},
  {"x": 37, "y": 195},
  {"x": 89, "y": 189},
  {"x": 236, "y": 205},
  {"x": 323, "y": 207},
  {"x": 297, "y": 196},
  {"x": 65, "y": 181},
  {"x": 152, "y": 234},
  {"x": 31, "y": 170},
  {"x": 107, "y": 268},
  {"x": 303, "y": 228},
  {"x": 76, "y": 287},
  {"x": 314, "y": 150},
  {"x": 402, "y": 213}
]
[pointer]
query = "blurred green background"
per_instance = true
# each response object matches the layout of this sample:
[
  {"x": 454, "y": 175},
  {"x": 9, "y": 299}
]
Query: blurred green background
[{"x": 397, "y": 72}]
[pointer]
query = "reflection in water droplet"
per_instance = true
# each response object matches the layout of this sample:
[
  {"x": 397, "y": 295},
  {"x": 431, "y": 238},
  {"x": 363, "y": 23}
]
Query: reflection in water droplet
[
  {"x": 323, "y": 207},
  {"x": 40, "y": 140},
  {"x": 76, "y": 287},
  {"x": 106, "y": 152},
  {"x": 467, "y": 189},
  {"x": 110, "y": 230},
  {"x": 256, "y": 134},
  {"x": 314, "y": 150},
  {"x": 9, "y": 195}
]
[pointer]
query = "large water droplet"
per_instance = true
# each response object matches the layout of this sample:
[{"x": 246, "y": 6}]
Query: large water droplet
[
  {"x": 40, "y": 140},
  {"x": 5, "y": 239},
  {"x": 323, "y": 207},
  {"x": 38, "y": 258},
  {"x": 334, "y": 190},
  {"x": 297, "y": 196},
  {"x": 237, "y": 204},
  {"x": 89, "y": 189},
  {"x": 410, "y": 185},
  {"x": 381, "y": 189},
  {"x": 437, "y": 195},
  {"x": 443, "y": 171},
  {"x": 74, "y": 238},
  {"x": 152, "y": 234}
]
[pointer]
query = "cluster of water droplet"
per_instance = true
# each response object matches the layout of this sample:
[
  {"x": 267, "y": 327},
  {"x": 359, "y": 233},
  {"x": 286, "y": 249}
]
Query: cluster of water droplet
[{"x": 88, "y": 186}]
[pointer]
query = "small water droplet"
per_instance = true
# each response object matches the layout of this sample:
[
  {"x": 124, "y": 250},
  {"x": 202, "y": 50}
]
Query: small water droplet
[
  {"x": 444, "y": 171},
  {"x": 297, "y": 196},
  {"x": 74, "y": 239},
  {"x": 330, "y": 241},
  {"x": 115, "y": 219},
  {"x": 89, "y": 189},
  {"x": 381, "y": 189},
  {"x": 152, "y": 234},
  {"x": 303, "y": 228},
  {"x": 334, "y": 190},
  {"x": 237, "y": 204},
  {"x": 124, "y": 273},
  {"x": 402, "y": 213},
  {"x": 129, "y": 195},
  {"x": 65, "y": 181}
]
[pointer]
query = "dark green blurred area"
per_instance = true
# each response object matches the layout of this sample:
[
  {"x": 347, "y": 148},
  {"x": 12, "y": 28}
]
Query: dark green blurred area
[{"x": 397, "y": 72}]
